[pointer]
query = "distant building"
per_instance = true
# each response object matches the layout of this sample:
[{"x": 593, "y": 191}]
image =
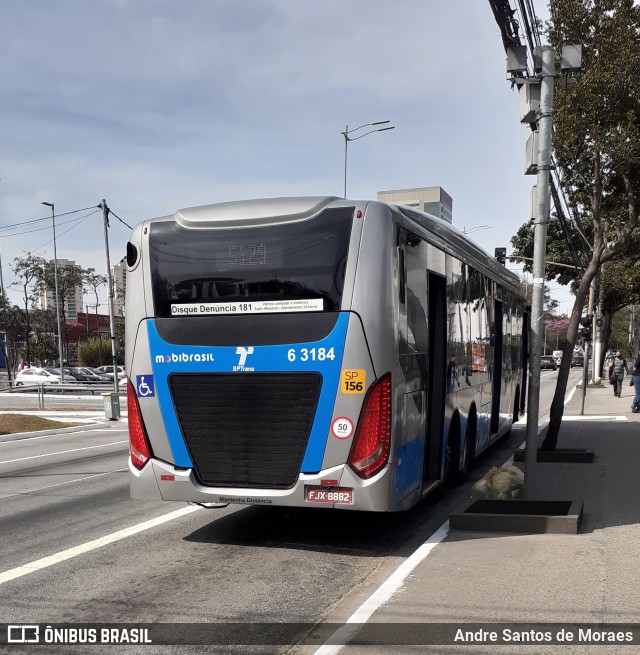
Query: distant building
[
  {"x": 431, "y": 199},
  {"x": 119, "y": 273},
  {"x": 73, "y": 299}
]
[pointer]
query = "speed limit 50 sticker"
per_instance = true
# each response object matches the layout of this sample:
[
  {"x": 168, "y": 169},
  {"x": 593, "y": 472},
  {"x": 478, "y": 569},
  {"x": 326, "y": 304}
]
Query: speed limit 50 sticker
[
  {"x": 342, "y": 427},
  {"x": 353, "y": 381}
]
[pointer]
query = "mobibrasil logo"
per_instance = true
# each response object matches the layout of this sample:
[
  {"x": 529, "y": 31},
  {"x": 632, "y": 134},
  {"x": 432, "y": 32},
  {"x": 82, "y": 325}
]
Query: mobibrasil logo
[
  {"x": 177, "y": 358},
  {"x": 244, "y": 353}
]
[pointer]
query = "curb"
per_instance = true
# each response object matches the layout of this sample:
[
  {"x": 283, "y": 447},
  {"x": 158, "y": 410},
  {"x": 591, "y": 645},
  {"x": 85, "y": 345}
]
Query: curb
[{"x": 43, "y": 433}]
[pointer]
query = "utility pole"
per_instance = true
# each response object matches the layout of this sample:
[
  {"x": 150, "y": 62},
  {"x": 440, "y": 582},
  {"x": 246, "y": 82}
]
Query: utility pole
[
  {"x": 112, "y": 322},
  {"x": 596, "y": 331},
  {"x": 545, "y": 123},
  {"x": 587, "y": 346}
]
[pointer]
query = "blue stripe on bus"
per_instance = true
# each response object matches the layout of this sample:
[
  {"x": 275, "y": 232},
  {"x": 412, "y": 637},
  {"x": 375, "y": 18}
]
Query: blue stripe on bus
[{"x": 167, "y": 358}]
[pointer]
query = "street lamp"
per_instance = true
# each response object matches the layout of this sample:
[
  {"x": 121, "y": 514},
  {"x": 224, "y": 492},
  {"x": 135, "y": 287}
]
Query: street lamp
[
  {"x": 471, "y": 230},
  {"x": 348, "y": 138},
  {"x": 55, "y": 277}
]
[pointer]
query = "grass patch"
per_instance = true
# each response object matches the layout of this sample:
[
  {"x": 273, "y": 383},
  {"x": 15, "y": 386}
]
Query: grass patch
[{"x": 13, "y": 423}]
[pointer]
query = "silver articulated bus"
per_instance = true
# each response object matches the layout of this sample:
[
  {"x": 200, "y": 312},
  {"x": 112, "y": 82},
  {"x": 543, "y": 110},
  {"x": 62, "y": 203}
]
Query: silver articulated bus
[{"x": 315, "y": 352}]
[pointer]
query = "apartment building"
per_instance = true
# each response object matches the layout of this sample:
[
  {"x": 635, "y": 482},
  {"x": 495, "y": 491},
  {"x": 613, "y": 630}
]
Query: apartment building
[
  {"x": 431, "y": 199},
  {"x": 73, "y": 297},
  {"x": 119, "y": 273}
]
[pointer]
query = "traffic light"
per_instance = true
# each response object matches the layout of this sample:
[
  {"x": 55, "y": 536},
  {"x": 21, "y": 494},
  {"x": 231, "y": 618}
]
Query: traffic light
[
  {"x": 585, "y": 327},
  {"x": 501, "y": 255}
]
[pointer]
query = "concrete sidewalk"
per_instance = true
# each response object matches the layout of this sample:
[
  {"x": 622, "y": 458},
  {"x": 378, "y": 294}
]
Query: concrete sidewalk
[{"x": 592, "y": 577}]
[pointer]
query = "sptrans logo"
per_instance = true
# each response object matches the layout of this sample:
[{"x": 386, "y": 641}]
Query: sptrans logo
[
  {"x": 244, "y": 353},
  {"x": 178, "y": 358}
]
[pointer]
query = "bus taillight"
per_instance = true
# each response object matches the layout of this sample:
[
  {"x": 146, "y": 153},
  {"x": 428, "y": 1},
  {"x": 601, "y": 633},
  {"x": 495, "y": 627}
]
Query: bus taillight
[
  {"x": 139, "y": 449},
  {"x": 370, "y": 450}
]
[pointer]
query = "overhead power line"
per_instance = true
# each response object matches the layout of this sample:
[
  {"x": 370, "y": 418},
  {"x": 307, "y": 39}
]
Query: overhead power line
[
  {"x": 46, "y": 227},
  {"x": 76, "y": 222},
  {"x": 112, "y": 213},
  {"x": 48, "y": 218}
]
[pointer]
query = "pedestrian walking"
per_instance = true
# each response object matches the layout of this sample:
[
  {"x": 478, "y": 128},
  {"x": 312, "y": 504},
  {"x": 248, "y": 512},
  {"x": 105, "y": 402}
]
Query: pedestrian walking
[
  {"x": 608, "y": 362},
  {"x": 635, "y": 407},
  {"x": 618, "y": 369}
]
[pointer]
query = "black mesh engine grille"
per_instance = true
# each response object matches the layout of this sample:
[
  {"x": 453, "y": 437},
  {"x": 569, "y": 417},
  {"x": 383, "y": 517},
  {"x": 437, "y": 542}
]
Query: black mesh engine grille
[{"x": 246, "y": 429}]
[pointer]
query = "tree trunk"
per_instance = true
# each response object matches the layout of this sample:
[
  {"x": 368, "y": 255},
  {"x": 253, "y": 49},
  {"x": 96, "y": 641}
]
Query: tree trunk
[{"x": 557, "y": 405}]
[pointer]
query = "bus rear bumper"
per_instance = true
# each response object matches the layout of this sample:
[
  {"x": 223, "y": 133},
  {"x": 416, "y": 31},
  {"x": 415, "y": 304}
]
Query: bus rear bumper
[{"x": 161, "y": 481}]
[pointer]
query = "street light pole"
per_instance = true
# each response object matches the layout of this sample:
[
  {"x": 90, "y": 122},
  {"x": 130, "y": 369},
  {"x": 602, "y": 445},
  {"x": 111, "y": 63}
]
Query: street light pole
[
  {"x": 545, "y": 126},
  {"x": 471, "y": 230},
  {"x": 348, "y": 138},
  {"x": 55, "y": 277}
]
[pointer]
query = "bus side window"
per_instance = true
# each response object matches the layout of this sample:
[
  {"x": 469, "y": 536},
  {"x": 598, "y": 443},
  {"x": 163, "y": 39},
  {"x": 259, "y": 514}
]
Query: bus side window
[
  {"x": 401, "y": 275},
  {"x": 416, "y": 292}
]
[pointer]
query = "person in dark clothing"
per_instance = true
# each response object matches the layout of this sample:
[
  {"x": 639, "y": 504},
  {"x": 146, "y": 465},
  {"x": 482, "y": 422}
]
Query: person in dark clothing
[
  {"x": 635, "y": 407},
  {"x": 618, "y": 369}
]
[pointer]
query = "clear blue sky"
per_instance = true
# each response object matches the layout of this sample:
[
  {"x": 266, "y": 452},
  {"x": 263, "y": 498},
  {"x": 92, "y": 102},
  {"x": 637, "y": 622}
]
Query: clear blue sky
[{"x": 157, "y": 105}]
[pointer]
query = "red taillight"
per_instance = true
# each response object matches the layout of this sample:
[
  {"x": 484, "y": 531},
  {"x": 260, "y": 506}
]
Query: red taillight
[
  {"x": 138, "y": 445},
  {"x": 370, "y": 450}
]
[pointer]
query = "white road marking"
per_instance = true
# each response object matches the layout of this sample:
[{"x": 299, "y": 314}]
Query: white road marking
[
  {"x": 608, "y": 417},
  {"x": 63, "y": 452},
  {"x": 382, "y": 595},
  {"x": 59, "y": 484},
  {"x": 70, "y": 553},
  {"x": 62, "y": 434}
]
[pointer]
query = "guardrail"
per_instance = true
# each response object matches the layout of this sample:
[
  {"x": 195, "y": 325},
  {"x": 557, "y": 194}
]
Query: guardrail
[{"x": 42, "y": 389}]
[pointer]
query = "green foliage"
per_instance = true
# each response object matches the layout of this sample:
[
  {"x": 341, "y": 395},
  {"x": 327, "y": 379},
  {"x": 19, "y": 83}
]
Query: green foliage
[{"x": 95, "y": 352}]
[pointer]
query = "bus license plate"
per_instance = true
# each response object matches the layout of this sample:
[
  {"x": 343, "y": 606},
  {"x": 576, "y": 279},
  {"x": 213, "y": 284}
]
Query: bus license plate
[{"x": 339, "y": 495}]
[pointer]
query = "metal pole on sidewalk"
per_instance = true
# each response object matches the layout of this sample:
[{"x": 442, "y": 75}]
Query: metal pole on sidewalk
[
  {"x": 545, "y": 124},
  {"x": 587, "y": 349}
]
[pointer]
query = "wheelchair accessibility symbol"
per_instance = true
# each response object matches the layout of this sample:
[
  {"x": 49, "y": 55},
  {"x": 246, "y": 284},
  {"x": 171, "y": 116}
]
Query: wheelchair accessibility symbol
[{"x": 144, "y": 386}]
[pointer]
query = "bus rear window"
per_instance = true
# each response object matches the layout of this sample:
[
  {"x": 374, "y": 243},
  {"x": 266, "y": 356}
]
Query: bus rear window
[{"x": 286, "y": 267}]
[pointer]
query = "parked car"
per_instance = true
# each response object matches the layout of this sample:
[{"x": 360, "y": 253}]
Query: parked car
[
  {"x": 36, "y": 376},
  {"x": 577, "y": 360},
  {"x": 99, "y": 377},
  {"x": 85, "y": 375},
  {"x": 108, "y": 370},
  {"x": 68, "y": 377},
  {"x": 547, "y": 361}
]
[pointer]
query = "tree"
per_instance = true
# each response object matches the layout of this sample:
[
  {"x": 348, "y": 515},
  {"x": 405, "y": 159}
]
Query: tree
[
  {"x": 69, "y": 278},
  {"x": 90, "y": 351},
  {"x": 557, "y": 326},
  {"x": 44, "y": 346},
  {"x": 596, "y": 143},
  {"x": 27, "y": 269},
  {"x": 13, "y": 325},
  {"x": 91, "y": 281}
]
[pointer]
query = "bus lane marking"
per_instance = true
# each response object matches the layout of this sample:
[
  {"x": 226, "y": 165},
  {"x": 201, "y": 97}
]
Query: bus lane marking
[
  {"x": 70, "y": 553},
  {"x": 381, "y": 595},
  {"x": 59, "y": 484},
  {"x": 63, "y": 452}
]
